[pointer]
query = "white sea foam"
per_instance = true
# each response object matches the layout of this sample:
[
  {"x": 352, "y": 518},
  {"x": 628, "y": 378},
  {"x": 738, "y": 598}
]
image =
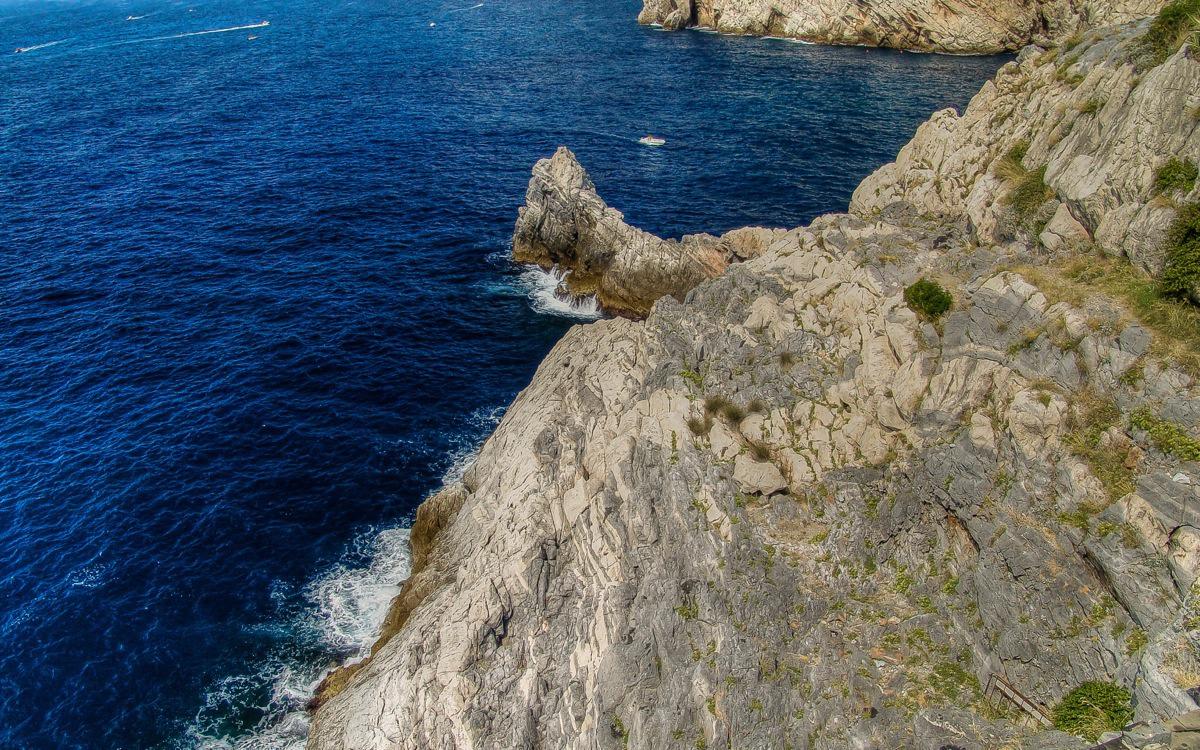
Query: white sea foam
[
  {"x": 462, "y": 455},
  {"x": 547, "y": 295},
  {"x": 349, "y": 602},
  {"x": 339, "y": 612},
  {"x": 343, "y": 613}
]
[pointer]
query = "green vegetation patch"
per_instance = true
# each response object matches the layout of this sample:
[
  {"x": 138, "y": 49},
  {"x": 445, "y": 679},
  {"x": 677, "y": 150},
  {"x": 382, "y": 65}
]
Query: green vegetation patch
[
  {"x": 1092, "y": 417},
  {"x": 1092, "y": 709},
  {"x": 1029, "y": 193},
  {"x": 1167, "y": 436},
  {"x": 928, "y": 298},
  {"x": 951, "y": 681},
  {"x": 1028, "y": 190},
  {"x": 1092, "y": 105},
  {"x": 1181, "y": 274},
  {"x": 1178, "y": 23},
  {"x": 1174, "y": 323},
  {"x": 1175, "y": 176},
  {"x": 1011, "y": 166}
]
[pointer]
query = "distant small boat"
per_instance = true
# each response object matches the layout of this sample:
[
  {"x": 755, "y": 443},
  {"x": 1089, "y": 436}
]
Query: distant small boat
[
  {"x": 251, "y": 38},
  {"x": 432, "y": 24},
  {"x": 19, "y": 50},
  {"x": 134, "y": 18},
  {"x": 652, "y": 140}
]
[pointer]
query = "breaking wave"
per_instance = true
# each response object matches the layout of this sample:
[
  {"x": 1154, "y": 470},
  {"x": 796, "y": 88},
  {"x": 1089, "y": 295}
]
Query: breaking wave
[
  {"x": 340, "y": 612},
  {"x": 547, "y": 295}
]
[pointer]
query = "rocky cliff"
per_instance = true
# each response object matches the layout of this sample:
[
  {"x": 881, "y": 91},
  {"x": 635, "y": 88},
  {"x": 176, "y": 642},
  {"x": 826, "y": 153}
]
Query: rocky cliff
[
  {"x": 565, "y": 225},
  {"x": 795, "y": 508},
  {"x": 970, "y": 26},
  {"x": 1077, "y": 162}
]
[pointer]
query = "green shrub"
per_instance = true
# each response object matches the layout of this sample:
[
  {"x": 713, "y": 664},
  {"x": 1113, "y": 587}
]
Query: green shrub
[
  {"x": 928, "y": 298},
  {"x": 1136, "y": 641},
  {"x": 1181, "y": 272},
  {"x": 1175, "y": 23},
  {"x": 951, "y": 681},
  {"x": 1175, "y": 176},
  {"x": 689, "y": 609},
  {"x": 1029, "y": 193},
  {"x": 1092, "y": 709},
  {"x": 1167, "y": 436},
  {"x": 1092, "y": 105},
  {"x": 1011, "y": 166}
]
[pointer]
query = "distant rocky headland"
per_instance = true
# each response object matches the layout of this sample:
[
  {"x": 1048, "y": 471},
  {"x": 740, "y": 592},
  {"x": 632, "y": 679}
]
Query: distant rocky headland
[
  {"x": 969, "y": 27},
  {"x": 925, "y": 474}
]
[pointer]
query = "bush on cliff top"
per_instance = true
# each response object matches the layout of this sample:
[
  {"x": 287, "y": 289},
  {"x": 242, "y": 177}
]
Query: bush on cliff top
[
  {"x": 1176, "y": 176},
  {"x": 928, "y": 298},
  {"x": 1092, "y": 709},
  {"x": 1181, "y": 273},
  {"x": 1178, "y": 23}
]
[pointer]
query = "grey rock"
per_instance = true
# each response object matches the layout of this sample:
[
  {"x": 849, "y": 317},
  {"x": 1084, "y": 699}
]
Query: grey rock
[
  {"x": 970, "y": 27},
  {"x": 905, "y": 520},
  {"x": 565, "y": 224}
]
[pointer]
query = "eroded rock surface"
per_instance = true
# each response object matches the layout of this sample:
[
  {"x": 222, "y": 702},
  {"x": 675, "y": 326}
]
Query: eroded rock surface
[
  {"x": 972, "y": 26},
  {"x": 1097, "y": 129},
  {"x": 565, "y": 224},
  {"x": 787, "y": 511}
]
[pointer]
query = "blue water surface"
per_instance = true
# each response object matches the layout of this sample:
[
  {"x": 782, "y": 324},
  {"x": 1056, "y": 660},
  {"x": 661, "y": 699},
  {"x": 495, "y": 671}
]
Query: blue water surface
[{"x": 255, "y": 303}]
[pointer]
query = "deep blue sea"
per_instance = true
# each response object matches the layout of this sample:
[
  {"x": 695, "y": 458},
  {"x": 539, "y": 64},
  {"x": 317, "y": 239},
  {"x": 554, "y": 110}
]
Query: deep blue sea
[{"x": 256, "y": 304}]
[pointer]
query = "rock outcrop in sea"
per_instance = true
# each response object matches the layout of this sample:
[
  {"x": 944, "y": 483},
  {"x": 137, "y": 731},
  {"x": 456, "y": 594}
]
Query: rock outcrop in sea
[
  {"x": 564, "y": 224},
  {"x": 969, "y": 27},
  {"x": 794, "y": 508}
]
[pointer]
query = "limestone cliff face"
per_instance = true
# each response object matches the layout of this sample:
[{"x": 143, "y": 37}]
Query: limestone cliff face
[
  {"x": 564, "y": 224},
  {"x": 970, "y": 26},
  {"x": 787, "y": 511},
  {"x": 1097, "y": 130}
]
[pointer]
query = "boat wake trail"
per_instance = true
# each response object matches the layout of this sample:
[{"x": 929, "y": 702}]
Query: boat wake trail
[
  {"x": 463, "y": 10},
  {"x": 258, "y": 25},
  {"x": 39, "y": 46}
]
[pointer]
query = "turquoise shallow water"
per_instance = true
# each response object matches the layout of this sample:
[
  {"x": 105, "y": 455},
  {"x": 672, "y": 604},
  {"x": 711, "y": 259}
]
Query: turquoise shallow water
[{"x": 256, "y": 304}]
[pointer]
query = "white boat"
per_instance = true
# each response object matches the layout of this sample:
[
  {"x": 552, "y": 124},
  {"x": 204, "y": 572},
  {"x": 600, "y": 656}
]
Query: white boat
[{"x": 652, "y": 140}]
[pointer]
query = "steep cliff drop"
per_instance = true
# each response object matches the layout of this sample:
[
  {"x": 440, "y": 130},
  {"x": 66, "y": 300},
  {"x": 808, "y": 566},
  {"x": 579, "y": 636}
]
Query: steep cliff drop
[{"x": 802, "y": 505}]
